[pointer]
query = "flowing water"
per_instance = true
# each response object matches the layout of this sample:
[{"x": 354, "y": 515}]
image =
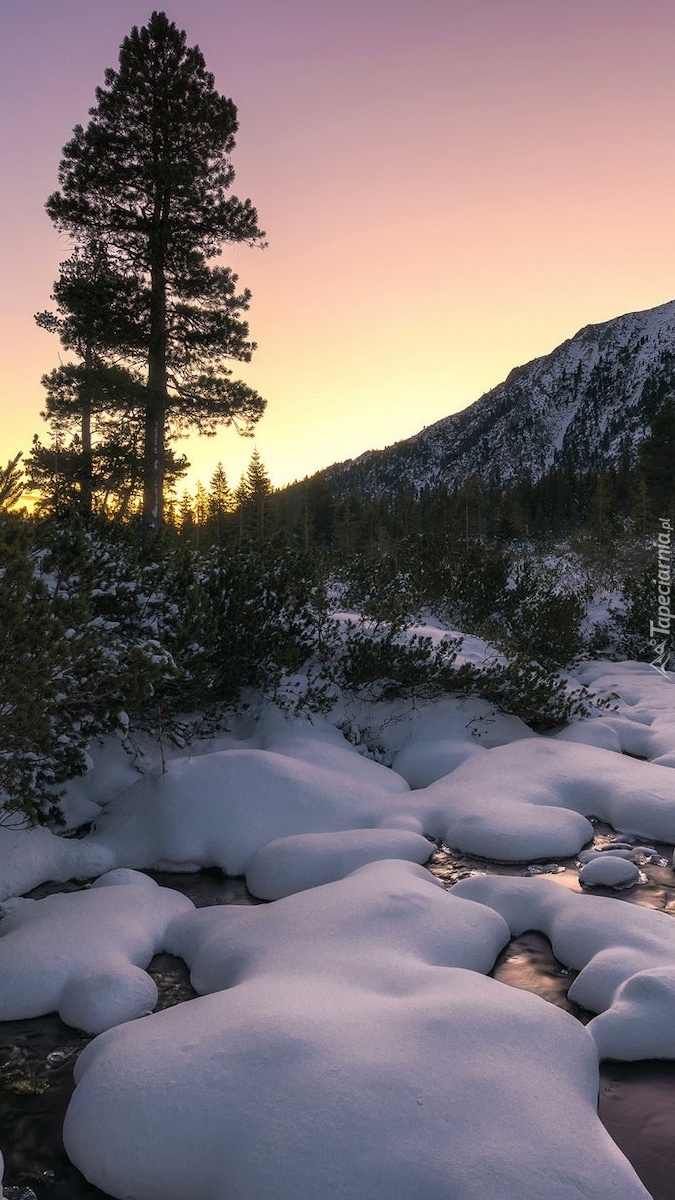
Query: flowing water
[
  {"x": 636, "y": 1104},
  {"x": 637, "y": 1100}
]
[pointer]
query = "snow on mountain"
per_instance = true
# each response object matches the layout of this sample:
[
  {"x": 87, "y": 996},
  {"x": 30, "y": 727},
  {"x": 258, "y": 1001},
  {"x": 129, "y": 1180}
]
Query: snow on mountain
[{"x": 588, "y": 403}]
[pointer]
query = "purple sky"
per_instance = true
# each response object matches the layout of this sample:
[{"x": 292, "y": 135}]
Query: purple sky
[{"x": 448, "y": 190}]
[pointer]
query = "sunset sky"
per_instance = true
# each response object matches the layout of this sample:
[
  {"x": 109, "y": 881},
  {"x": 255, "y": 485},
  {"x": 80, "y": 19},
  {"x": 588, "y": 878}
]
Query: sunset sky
[{"x": 448, "y": 189}]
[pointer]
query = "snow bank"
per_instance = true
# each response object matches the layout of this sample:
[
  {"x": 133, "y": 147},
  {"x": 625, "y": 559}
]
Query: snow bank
[
  {"x": 625, "y": 956},
  {"x": 308, "y": 860},
  {"x": 350, "y": 1056},
  {"x": 521, "y": 801},
  {"x": 518, "y": 802},
  {"x": 81, "y": 954}
]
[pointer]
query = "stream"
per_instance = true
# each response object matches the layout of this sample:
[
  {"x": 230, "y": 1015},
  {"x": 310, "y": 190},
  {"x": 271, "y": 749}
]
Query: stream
[{"x": 636, "y": 1103}]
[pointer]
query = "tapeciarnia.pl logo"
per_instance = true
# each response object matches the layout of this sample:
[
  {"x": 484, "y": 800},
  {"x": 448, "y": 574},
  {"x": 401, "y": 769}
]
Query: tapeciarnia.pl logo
[{"x": 659, "y": 630}]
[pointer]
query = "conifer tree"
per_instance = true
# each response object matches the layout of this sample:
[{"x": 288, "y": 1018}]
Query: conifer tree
[
  {"x": 220, "y": 496},
  {"x": 201, "y": 505},
  {"x": 148, "y": 177},
  {"x": 186, "y": 516},
  {"x": 251, "y": 496},
  {"x": 11, "y": 483},
  {"x": 657, "y": 460},
  {"x": 220, "y": 503},
  {"x": 95, "y": 320}
]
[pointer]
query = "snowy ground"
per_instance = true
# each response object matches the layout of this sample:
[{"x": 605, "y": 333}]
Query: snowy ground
[{"x": 347, "y": 1040}]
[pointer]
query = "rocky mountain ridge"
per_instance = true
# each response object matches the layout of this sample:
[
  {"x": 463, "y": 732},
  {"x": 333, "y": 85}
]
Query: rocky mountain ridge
[{"x": 587, "y": 404}]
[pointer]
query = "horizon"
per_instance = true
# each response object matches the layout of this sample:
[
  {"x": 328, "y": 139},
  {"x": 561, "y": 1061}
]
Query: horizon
[{"x": 493, "y": 182}]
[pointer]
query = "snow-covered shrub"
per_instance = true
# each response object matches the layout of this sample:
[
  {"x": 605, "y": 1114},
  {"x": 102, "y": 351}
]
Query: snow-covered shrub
[
  {"x": 465, "y": 586},
  {"x": 632, "y": 620},
  {"x": 541, "y": 698},
  {"x": 379, "y": 590},
  {"x": 65, "y": 671},
  {"x": 378, "y": 663},
  {"x": 541, "y": 619}
]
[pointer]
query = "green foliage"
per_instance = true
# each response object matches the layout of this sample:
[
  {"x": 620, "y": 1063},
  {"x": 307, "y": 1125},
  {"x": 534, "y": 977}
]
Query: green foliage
[
  {"x": 33, "y": 656},
  {"x": 382, "y": 665},
  {"x": 632, "y": 619},
  {"x": 540, "y": 620},
  {"x": 467, "y": 585},
  {"x": 11, "y": 483},
  {"x": 65, "y": 672},
  {"x": 539, "y": 697}
]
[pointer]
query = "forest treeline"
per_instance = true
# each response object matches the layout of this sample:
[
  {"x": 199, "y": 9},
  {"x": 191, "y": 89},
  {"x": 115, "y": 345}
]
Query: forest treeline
[{"x": 236, "y": 600}]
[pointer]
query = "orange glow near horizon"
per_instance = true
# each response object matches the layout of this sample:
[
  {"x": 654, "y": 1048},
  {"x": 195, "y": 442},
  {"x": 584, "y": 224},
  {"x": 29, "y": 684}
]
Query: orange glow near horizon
[{"x": 448, "y": 190}]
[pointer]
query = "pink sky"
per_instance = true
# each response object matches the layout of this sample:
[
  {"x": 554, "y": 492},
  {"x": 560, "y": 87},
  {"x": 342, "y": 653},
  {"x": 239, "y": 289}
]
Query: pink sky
[{"x": 449, "y": 190}]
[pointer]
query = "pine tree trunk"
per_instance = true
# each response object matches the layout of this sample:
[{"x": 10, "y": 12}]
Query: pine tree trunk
[
  {"x": 157, "y": 395},
  {"x": 87, "y": 476}
]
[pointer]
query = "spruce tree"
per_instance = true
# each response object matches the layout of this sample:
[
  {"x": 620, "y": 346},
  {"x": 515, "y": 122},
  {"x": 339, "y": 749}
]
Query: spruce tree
[
  {"x": 148, "y": 177},
  {"x": 220, "y": 503},
  {"x": 251, "y": 496}
]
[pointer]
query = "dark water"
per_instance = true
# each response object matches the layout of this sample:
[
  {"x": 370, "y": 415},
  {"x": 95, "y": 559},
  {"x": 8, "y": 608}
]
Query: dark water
[
  {"x": 37, "y": 1057},
  {"x": 637, "y": 1100},
  {"x": 636, "y": 1103}
]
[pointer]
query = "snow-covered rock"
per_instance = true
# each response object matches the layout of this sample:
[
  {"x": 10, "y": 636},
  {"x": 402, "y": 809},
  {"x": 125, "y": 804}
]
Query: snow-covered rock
[
  {"x": 346, "y": 1051},
  {"x": 219, "y": 809},
  {"x": 609, "y": 870},
  {"x": 29, "y": 857},
  {"x": 530, "y": 800},
  {"x": 625, "y": 955},
  {"x": 308, "y": 860},
  {"x": 82, "y": 954}
]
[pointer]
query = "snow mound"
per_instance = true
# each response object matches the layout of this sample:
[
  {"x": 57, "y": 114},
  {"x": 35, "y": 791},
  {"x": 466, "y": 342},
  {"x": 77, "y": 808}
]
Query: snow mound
[
  {"x": 381, "y": 919},
  {"x": 81, "y": 954},
  {"x": 308, "y": 860},
  {"x": 625, "y": 956},
  {"x": 530, "y": 799},
  {"x": 423, "y": 762},
  {"x": 28, "y": 857},
  {"x": 639, "y": 1023},
  {"x": 221, "y": 808},
  {"x": 644, "y": 723},
  {"x": 350, "y": 1055},
  {"x": 609, "y": 870}
]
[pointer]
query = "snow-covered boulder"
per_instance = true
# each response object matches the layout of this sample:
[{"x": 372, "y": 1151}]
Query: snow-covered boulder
[
  {"x": 609, "y": 870},
  {"x": 308, "y": 860},
  {"x": 29, "y": 857},
  {"x": 531, "y": 799},
  {"x": 82, "y": 954},
  {"x": 220, "y": 809},
  {"x": 351, "y": 1054},
  {"x": 625, "y": 955}
]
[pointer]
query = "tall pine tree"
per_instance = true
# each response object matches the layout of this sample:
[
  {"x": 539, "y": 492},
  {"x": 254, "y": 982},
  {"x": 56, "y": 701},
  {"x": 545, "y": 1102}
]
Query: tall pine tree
[{"x": 148, "y": 177}]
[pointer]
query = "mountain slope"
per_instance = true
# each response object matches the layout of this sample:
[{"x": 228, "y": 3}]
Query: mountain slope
[{"x": 587, "y": 403}]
